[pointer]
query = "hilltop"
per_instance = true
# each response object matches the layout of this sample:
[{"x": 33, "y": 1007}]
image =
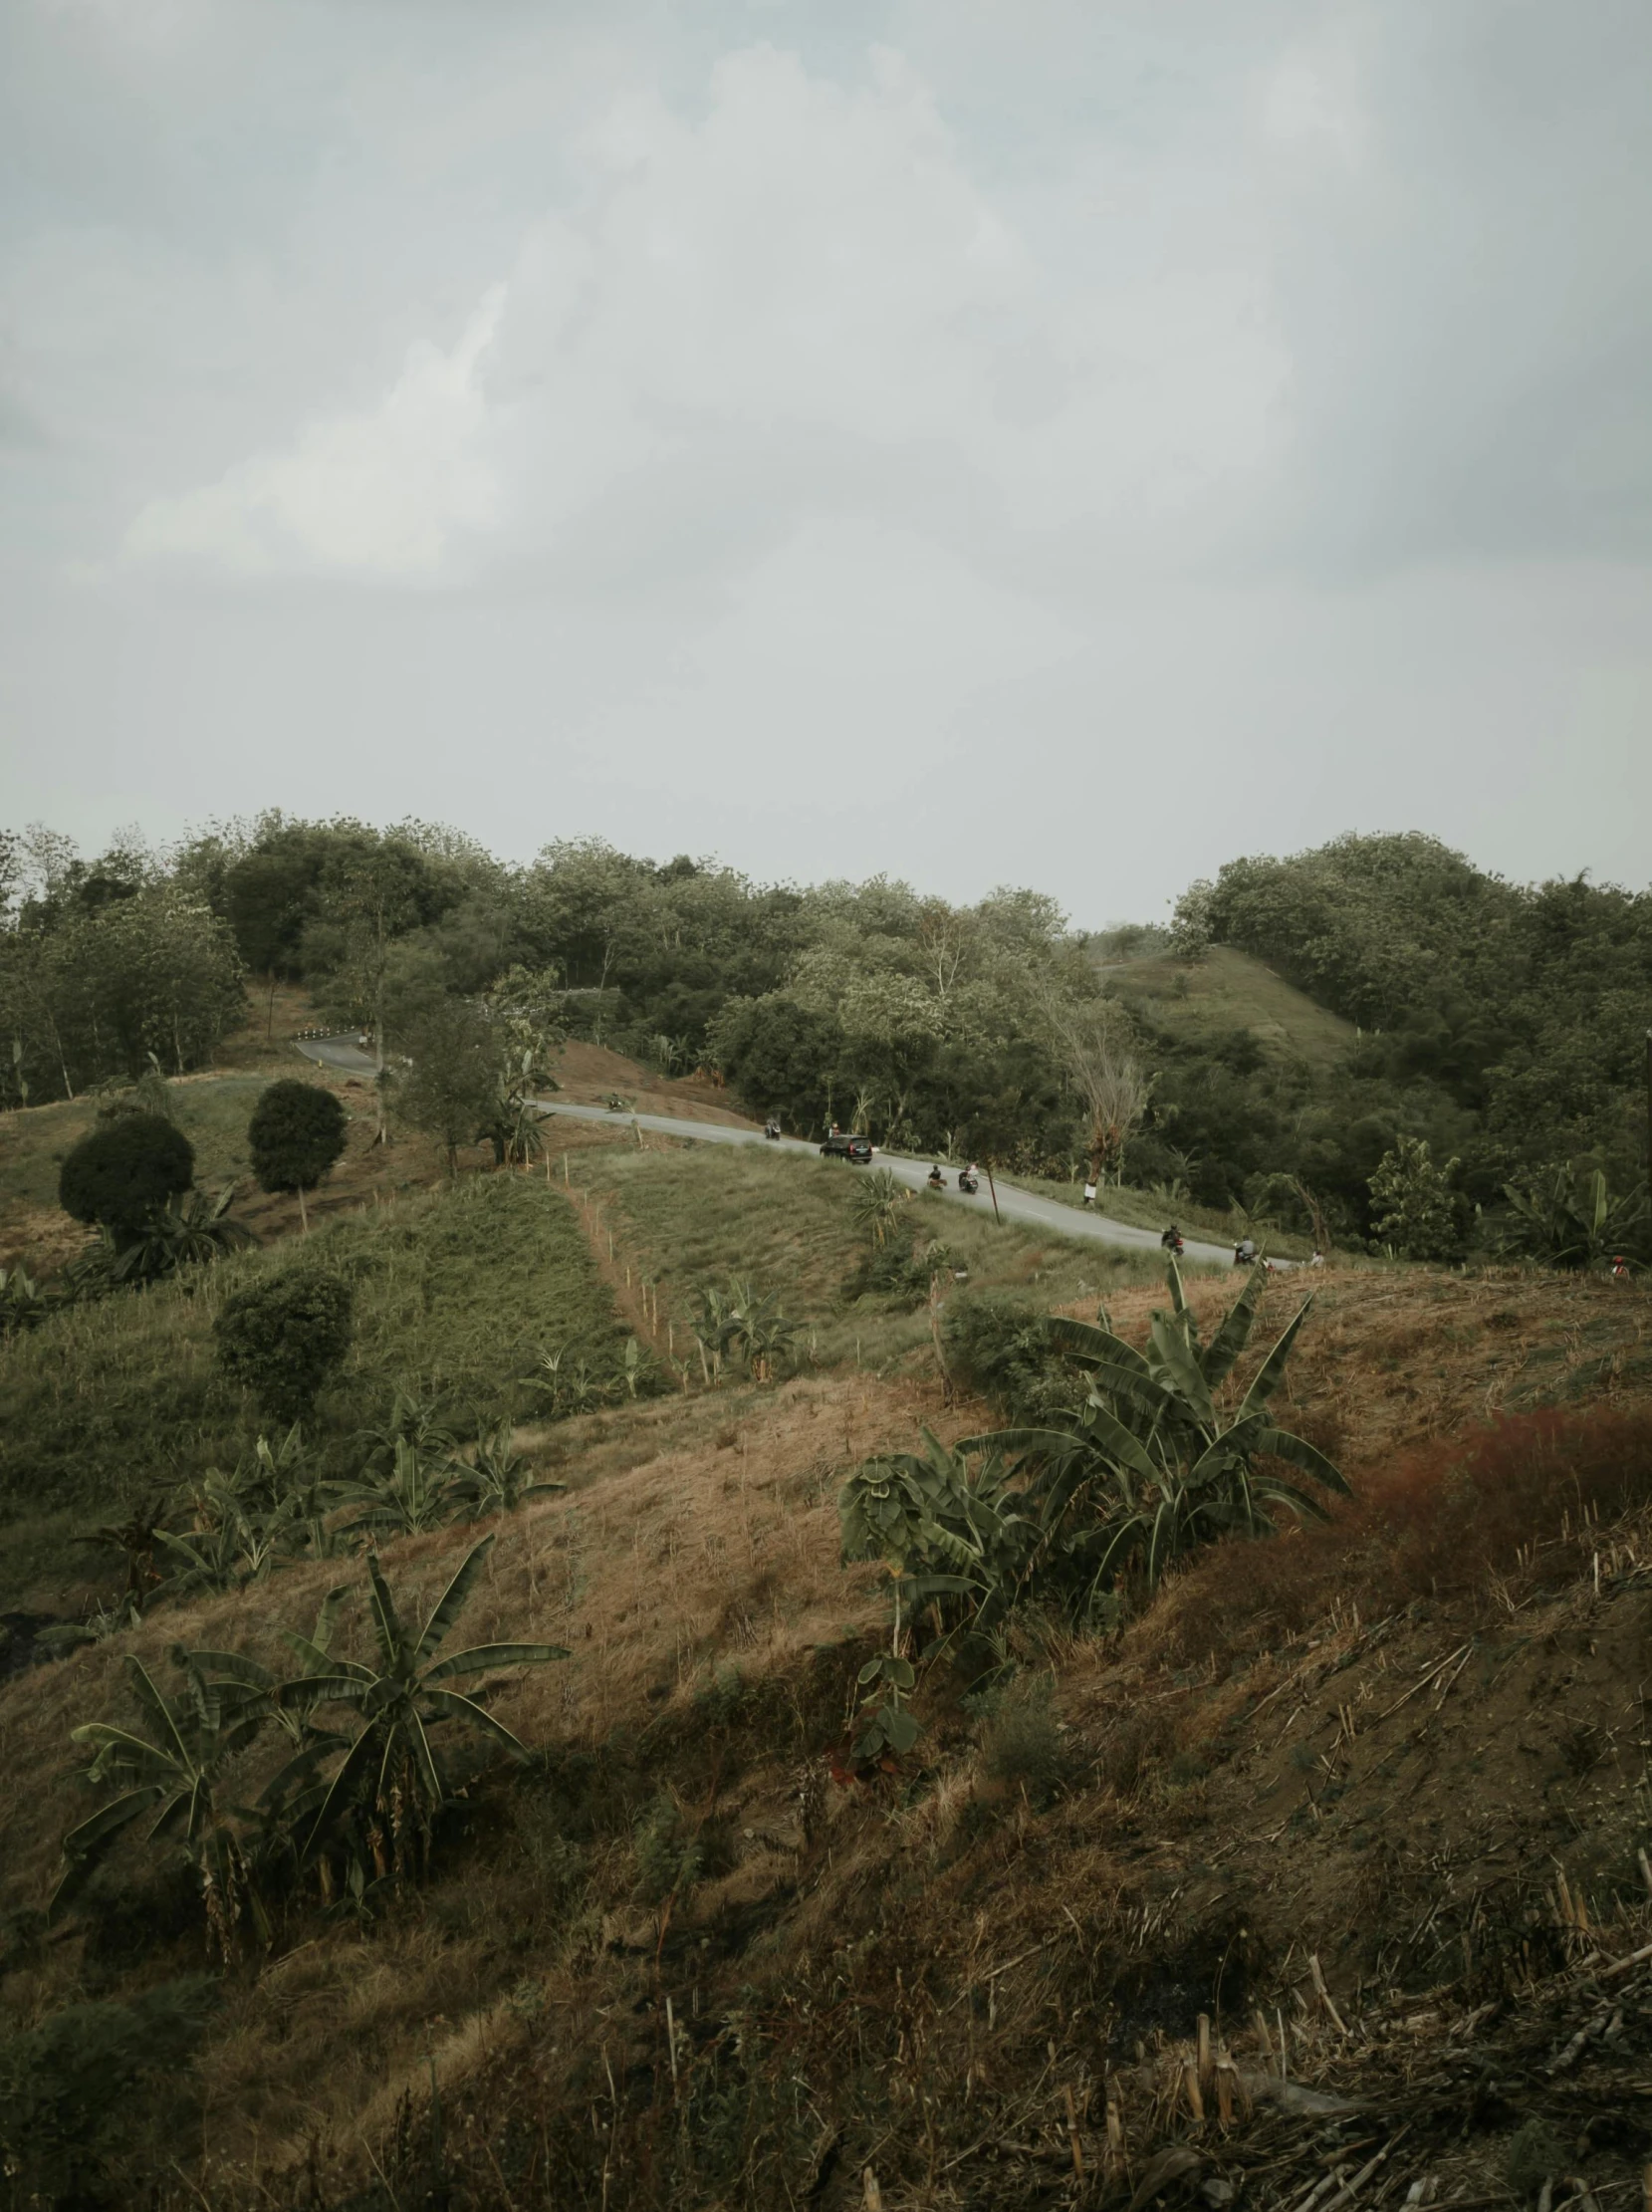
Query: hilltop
[{"x": 1199, "y": 1000}]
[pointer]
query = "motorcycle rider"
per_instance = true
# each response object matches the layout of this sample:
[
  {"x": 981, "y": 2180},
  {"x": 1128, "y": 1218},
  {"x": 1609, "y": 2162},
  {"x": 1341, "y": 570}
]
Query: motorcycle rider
[
  {"x": 937, "y": 1181},
  {"x": 1171, "y": 1241},
  {"x": 969, "y": 1178}
]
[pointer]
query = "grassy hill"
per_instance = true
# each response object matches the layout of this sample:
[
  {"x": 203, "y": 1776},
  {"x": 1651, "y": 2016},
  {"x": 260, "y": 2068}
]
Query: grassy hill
[
  {"x": 1269, "y": 1766},
  {"x": 1375, "y": 1789},
  {"x": 1228, "y": 990}
]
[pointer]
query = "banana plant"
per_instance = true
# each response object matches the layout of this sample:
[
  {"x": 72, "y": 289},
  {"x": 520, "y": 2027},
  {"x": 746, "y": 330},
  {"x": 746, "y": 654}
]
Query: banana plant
[
  {"x": 391, "y": 1785},
  {"x": 172, "y": 1778},
  {"x": 1152, "y": 1465},
  {"x": 497, "y": 1479},
  {"x": 1566, "y": 1224},
  {"x": 943, "y": 1528},
  {"x": 567, "y": 1380},
  {"x": 746, "y": 1324},
  {"x": 419, "y": 1492}
]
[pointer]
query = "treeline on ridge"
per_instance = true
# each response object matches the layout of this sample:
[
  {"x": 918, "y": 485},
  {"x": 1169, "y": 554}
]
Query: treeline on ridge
[{"x": 1492, "y": 1096}]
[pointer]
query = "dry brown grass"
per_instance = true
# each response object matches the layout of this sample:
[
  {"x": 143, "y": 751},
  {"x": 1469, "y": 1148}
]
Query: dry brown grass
[{"x": 937, "y": 1958}]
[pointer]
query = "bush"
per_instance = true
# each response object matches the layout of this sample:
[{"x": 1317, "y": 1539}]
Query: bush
[
  {"x": 79, "y": 2091},
  {"x": 297, "y": 1132},
  {"x": 1021, "y": 1746},
  {"x": 998, "y": 1344},
  {"x": 124, "y": 1172},
  {"x": 281, "y": 1339}
]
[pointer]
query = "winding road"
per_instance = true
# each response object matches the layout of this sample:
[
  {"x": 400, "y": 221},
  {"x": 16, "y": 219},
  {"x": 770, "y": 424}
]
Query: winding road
[{"x": 1014, "y": 1204}]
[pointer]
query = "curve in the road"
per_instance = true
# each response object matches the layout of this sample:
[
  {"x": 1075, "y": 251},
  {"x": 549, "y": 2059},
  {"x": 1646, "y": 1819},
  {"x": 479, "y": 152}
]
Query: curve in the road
[{"x": 1014, "y": 1204}]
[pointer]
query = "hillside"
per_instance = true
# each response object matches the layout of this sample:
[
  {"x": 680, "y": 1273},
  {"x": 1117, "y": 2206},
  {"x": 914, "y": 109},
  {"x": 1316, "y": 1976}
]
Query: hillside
[
  {"x": 912, "y": 1974},
  {"x": 1225, "y": 990}
]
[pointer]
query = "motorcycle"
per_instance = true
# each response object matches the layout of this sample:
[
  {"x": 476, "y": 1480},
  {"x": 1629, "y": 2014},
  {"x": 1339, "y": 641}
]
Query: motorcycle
[
  {"x": 969, "y": 1184},
  {"x": 771, "y": 1129}
]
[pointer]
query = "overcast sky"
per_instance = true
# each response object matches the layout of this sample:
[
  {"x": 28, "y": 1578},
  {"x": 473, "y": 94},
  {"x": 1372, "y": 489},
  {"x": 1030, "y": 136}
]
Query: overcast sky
[{"x": 1059, "y": 441}]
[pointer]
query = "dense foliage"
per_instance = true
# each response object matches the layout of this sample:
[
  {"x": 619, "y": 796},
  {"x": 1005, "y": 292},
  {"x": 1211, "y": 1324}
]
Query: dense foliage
[
  {"x": 295, "y": 1134},
  {"x": 1499, "y": 1026},
  {"x": 1503, "y": 1024},
  {"x": 284, "y": 1337},
  {"x": 124, "y": 1172}
]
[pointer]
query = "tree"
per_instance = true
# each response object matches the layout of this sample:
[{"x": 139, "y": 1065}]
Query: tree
[
  {"x": 124, "y": 1172},
  {"x": 393, "y": 1778},
  {"x": 451, "y": 1091},
  {"x": 1096, "y": 1041},
  {"x": 296, "y": 1135},
  {"x": 1417, "y": 1211},
  {"x": 283, "y": 1337},
  {"x": 172, "y": 1773},
  {"x": 371, "y": 891}
]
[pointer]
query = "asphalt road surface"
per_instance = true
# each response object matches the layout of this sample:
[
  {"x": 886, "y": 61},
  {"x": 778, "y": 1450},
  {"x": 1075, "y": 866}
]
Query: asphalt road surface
[{"x": 1014, "y": 1204}]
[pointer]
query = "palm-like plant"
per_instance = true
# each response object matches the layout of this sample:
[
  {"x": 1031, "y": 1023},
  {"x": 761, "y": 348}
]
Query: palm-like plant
[
  {"x": 418, "y": 1491},
  {"x": 497, "y": 1479},
  {"x": 173, "y": 1772},
  {"x": 1567, "y": 1223},
  {"x": 1150, "y": 1466},
  {"x": 22, "y": 1304},
  {"x": 875, "y": 1204},
  {"x": 188, "y": 1231},
  {"x": 393, "y": 1778}
]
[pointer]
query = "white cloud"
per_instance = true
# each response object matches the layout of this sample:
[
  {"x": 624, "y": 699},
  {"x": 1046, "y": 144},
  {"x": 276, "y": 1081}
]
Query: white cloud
[
  {"x": 805, "y": 267},
  {"x": 380, "y": 494}
]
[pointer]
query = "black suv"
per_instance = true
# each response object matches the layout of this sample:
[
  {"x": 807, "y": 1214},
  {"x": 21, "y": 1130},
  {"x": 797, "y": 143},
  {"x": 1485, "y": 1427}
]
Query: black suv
[{"x": 839, "y": 1145}]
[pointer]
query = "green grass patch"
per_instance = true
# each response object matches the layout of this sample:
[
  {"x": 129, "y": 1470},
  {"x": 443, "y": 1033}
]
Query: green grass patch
[
  {"x": 1227, "y": 990},
  {"x": 703, "y": 1214},
  {"x": 456, "y": 1291}
]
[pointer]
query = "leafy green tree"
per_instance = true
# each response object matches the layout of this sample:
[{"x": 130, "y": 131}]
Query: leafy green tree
[
  {"x": 779, "y": 1055},
  {"x": 124, "y": 1172},
  {"x": 1416, "y": 1209},
  {"x": 281, "y": 1339},
  {"x": 297, "y": 1134},
  {"x": 451, "y": 1091}
]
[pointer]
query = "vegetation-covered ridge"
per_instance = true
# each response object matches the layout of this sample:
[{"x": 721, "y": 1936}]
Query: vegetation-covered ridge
[{"x": 1466, "y": 1063}]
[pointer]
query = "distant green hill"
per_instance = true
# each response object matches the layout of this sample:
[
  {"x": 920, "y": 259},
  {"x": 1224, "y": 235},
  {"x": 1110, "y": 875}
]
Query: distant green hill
[{"x": 1227, "y": 990}]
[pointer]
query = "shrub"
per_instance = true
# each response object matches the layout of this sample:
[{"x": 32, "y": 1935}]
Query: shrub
[
  {"x": 281, "y": 1339},
  {"x": 999, "y": 1345},
  {"x": 295, "y": 1134},
  {"x": 78, "y": 2090},
  {"x": 125, "y": 1170},
  {"x": 1021, "y": 1747}
]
